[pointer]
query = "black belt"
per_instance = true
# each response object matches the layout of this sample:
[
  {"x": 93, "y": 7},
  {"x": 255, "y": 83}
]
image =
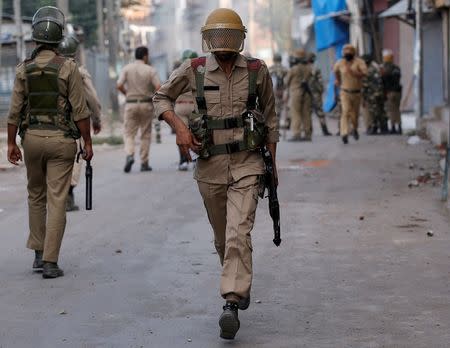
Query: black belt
[
  {"x": 146, "y": 100},
  {"x": 353, "y": 91}
]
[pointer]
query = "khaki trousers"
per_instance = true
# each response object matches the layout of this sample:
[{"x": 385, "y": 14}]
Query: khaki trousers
[
  {"x": 231, "y": 211},
  {"x": 367, "y": 117},
  {"x": 393, "y": 107},
  {"x": 49, "y": 162},
  {"x": 301, "y": 114},
  {"x": 350, "y": 111},
  {"x": 138, "y": 116}
]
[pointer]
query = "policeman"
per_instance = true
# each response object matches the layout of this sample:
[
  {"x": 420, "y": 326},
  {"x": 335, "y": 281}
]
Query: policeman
[
  {"x": 184, "y": 106},
  {"x": 138, "y": 81},
  {"x": 69, "y": 48},
  {"x": 373, "y": 97},
  {"x": 349, "y": 72},
  {"x": 393, "y": 89},
  {"x": 316, "y": 89},
  {"x": 278, "y": 73},
  {"x": 234, "y": 116},
  {"x": 299, "y": 99},
  {"x": 49, "y": 109}
]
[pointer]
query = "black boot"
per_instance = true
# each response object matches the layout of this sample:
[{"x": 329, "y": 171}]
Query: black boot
[
  {"x": 38, "y": 263},
  {"x": 244, "y": 303},
  {"x": 145, "y": 167},
  {"x": 345, "y": 139},
  {"x": 325, "y": 131},
  {"x": 355, "y": 134},
  {"x": 128, "y": 163},
  {"x": 400, "y": 129},
  {"x": 229, "y": 321},
  {"x": 51, "y": 270},
  {"x": 393, "y": 130}
]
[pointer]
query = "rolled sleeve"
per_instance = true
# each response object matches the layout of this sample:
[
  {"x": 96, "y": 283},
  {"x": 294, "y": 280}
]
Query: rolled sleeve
[
  {"x": 17, "y": 98},
  {"x": 122, "y": 77},
  {"x": 177, "y": 84},
  {"x": 267, "y": 104},
  {"x": 76, "y": 94}
]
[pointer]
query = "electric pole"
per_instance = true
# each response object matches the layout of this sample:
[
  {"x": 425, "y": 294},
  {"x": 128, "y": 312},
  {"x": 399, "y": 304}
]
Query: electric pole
[
  {"x": 100, "y": 26},
  {"x": 19, "y": 35},
  {"x": 418, "y": 66},
  {"x": 112, "y": 20},
  {"x": 63, "y": 5}
]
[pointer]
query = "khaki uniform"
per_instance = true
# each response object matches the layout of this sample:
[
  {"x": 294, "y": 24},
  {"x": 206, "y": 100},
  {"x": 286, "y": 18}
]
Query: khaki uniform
[
  {"x": 49, "y": 158},
  {"x": 391, "y": 80},
  {"x": 350, "y": 94},
  {"x": 299, "y": 100},
  {"x": 95, "y": 107},
  {"x": 141, "y": 81},
  {"x": 228, "y": 183}
]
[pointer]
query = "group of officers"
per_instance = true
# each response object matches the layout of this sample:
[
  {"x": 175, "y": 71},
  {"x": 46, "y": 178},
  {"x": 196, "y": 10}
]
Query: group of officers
[
  {"x": 222, "y": 108},
  {"x": 299, "y": 92}
]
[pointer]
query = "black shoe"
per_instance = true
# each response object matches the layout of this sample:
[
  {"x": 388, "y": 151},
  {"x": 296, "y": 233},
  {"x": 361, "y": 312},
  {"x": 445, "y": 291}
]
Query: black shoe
[
  {"x": 345, "y": 139},
  {"x": 400, "y": 129},
  {"x": 325, "y": 131},
  {"x": 393, "y": 130},
  {"x": 355, "y": 134},
  {"x": 372, "y": 131},
  {"x": 128, "y": 163},
  {"x": 229, "y": 321},
  {"x": 244, "y": 303},
  {"x": 145, "y": 167},
  {"x": 70, "y": 203},
  {"x": 38, "y": 264},
  {"x": 51, "y": 270}
]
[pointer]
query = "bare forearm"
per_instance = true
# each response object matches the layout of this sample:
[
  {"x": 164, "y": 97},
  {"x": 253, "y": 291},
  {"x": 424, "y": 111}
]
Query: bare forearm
[
  {"x": 12, "y": 132},
  {"x": 122, "y": 90},
  {"x": 173, "y": 120},
  {"x": 85, "y": 129}
]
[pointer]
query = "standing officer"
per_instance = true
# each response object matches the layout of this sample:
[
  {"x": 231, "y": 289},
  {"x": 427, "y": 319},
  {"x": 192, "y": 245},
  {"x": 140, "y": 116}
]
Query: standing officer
[
  {"x": 373, "y": 98},
  {"x": 316, "y": 88},
  {"x": 391, "y": 79},
  {"x": 349, "y": 72},
  {"x": 234, "y": 107},
  {"x": 49, "y": 109},
  {"x": 278, "y": 73},
  {"x": 69, "y": 48},
  {"x": 138, "y": 81},
  {"x": 300, "y": 100},
  {"x": 184, "y": 106}
]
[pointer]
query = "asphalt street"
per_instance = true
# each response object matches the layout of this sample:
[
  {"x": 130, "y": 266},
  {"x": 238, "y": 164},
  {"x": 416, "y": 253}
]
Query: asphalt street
[{"x": 356, "y": 267}]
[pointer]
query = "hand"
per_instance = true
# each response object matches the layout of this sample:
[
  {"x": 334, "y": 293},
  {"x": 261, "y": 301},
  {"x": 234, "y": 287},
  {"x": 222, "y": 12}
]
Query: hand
[
  {"x": 186, "y": 141},
  {"x": 88, "y": 153},
  {"x": 97, "y": 126},
  {"x": 14, "y": 154}
]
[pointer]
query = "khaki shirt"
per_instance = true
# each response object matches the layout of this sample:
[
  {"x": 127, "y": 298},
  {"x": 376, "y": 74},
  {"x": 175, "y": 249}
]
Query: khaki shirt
[
  {"x": 298, "y": 74},
  {"x": 226, "y": 97},
  {"x": 92, "y": 100},
  {"x": 70, "y": 86},
  {"x": 140, "y": 79},
  {"x": 344, "y": 69}
]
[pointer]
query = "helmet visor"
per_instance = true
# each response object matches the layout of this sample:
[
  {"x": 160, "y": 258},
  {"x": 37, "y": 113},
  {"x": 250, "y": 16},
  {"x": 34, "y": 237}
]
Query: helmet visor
[
  {"x": 49, "y": 14},
  {"x": 223, "y": 39}
]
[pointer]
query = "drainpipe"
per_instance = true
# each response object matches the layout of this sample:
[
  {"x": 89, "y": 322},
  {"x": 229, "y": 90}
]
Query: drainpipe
[
  {"x": 444, "y": 195},
  {"x": 418, "y": 66}
]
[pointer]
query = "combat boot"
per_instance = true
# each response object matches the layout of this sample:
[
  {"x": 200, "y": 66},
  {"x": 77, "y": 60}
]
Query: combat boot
[
  {"x": 51, "y": 270},
  {"x": 229, "y": 321},
  {"x": 145, "y": 167},
  {"x": 355, "y": 134},
  {"x": 400, "y": 129},
  {"x": 244, "y": 303},
  {"x": 38, "y": 263},
  {"x": 128, "y": 163},
  {"x": 345, "y": 139},
  {"x": 325, "y": 131}
]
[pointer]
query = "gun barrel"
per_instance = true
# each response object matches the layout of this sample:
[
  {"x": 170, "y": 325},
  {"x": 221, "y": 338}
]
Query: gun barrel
[{"x": 88, "y": 186}]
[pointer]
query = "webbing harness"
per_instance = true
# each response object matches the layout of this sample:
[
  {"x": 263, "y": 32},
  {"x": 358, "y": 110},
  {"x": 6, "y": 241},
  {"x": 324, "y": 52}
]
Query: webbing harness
[{"x": 213, "y": 123}]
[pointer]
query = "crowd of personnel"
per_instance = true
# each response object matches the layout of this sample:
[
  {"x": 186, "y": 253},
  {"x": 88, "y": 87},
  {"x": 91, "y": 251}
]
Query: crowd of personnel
[
  {"x": 361, "y": 82},
  {"x": 224, "y": 109}
]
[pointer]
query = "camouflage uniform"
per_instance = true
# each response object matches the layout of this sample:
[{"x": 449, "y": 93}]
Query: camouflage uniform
[
  {"x": 278, "y": 72},
  {"x": 373, "y": 96},
  {"x": 316, "y": 87}
]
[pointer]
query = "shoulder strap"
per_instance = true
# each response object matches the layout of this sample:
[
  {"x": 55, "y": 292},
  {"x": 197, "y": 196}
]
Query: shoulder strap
[
  {"x": 198, "y": 66},
  {"x": 253, "y": 66}
]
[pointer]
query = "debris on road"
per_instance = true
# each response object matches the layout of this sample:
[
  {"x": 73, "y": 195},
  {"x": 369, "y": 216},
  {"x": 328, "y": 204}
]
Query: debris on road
[
  {"x": 63, "y": 312},
  {"x": 189, "y": 339},
  {"x": 361, "y": 218},
  {"x": 414, "y": 140},
  {"x": 413, "y": 183},
  {"x": 430, "y": 233},
  {"x": 118, "y": 251},
  {"x": 411, "y": 166},
  {"x": 258, "y": 301}
]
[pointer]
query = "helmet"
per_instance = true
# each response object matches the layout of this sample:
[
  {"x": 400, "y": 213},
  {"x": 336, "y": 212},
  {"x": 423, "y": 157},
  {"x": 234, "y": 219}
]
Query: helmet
[
  {"x": 311, "y": 57},
  {"x": 48, "y": 25},
  {"x": 68, "y": 46},
  {"x": 388, "y": 56},
  {"x": 348, "y": 48},
  {"x": 277, "y": 58},
  {"x": 188, "y": 54},
  {"x": 223, "y": 31},
  {"x": 367, "y": 58}
]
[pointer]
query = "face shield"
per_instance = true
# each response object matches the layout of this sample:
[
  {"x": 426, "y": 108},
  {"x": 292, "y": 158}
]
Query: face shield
[
  {"x": 49, "y": 14},
  {"x": 223, "y": 39}
]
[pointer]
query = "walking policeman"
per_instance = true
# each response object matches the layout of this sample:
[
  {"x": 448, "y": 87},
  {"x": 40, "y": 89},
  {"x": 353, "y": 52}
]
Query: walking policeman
[
  {"x": 278, "y": 73},
  {"x": 235, "y": 115},
  {"x": 49, "y": 109},
  {"x": 69, "y": 48},
  {"x": 316, "y": 88},
  {"x": 391, "y": 78}
]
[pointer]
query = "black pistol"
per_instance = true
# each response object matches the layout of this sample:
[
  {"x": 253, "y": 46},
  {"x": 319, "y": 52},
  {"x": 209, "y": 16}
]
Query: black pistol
[
  {"x": 88, "y": 185},
  {"x": 270, "y": 184}
]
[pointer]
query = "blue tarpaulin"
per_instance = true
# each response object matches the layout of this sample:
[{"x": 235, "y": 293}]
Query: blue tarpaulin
[{"x": 330, "y": 32}]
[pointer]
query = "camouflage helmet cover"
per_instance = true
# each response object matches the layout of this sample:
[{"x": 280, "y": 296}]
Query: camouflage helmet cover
[{"x": 48, "y": 25}]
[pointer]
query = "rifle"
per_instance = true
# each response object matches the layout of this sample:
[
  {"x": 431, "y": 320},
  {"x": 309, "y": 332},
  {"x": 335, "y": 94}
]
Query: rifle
[
  {"x": 88, "y": 174},
  {"x": 269, "y": 183}
]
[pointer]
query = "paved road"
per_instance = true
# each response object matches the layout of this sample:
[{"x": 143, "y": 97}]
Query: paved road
[{"x": 355, "y": 268}]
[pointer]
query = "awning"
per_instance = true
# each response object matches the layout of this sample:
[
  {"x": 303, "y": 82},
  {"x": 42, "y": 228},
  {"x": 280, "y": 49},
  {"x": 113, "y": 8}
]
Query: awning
[{"x": 401, "y": 9}]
